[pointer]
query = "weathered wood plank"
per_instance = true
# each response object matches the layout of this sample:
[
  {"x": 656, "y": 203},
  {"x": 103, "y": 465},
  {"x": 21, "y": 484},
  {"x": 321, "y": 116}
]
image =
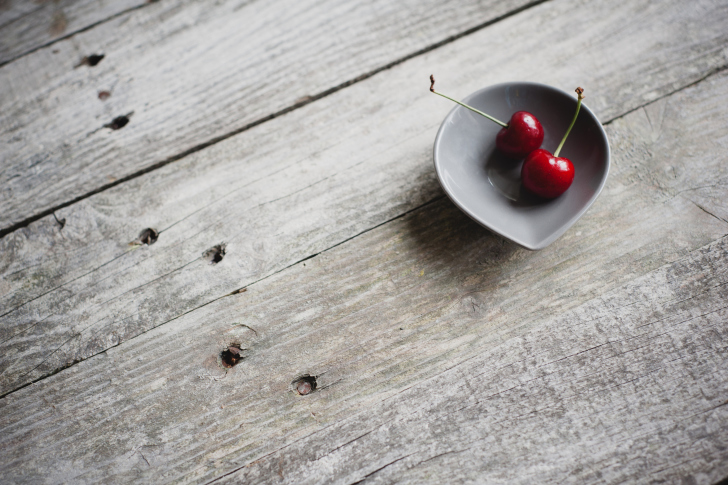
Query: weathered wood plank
[
  {"x": 628, "y": 388},
  {"x": 429, "y": 336},
  {"x": 191, "y": 73},
  {"x": 26, "y": 25},
  {"x": 365, "y": 161}
]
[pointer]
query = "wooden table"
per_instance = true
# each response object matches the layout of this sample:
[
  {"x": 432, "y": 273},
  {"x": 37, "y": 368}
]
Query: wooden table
[{"x": 281, "y": 152}]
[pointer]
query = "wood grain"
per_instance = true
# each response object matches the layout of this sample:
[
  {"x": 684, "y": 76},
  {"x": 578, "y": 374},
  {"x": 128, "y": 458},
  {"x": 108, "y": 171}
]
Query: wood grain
[
  {"x": 27, "y": 25},
  {"x": 629, "y": 387},
  {"x": 281, "y": 193},
  {"x": 191, "y": 73},
  {"x": 435, "y": 346}
]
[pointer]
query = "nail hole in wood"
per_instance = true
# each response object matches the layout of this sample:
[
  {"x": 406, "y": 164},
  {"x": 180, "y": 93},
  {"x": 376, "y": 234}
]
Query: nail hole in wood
[
  {"x": 215, "y": 254},
  {"x": 94, "y": 59},
  {"x": 91, "y": 60},
  {"x": 148, "y": 236},
  {"x": 305, "y": 385},
  {"x": 231, "y": 356},
  {"x": 118, "y": 123}
]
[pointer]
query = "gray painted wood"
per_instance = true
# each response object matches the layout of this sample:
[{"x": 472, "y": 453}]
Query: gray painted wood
[
  {"x": 191, "y": 73},
  {"x": 27, "y": 25},
  {"x": 441, "y": 352},
  {"x": 280, "y": 193},
  {"x": 628, "y": 388}
]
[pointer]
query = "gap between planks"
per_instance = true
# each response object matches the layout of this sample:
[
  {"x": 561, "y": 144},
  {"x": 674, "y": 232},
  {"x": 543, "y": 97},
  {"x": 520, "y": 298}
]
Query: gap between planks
[
  {"x": 337, "y": 244},
  {"x": 648, "y": 103},
  {"x": 310, "y": 99},
  {"x": 233, "y": 293}
]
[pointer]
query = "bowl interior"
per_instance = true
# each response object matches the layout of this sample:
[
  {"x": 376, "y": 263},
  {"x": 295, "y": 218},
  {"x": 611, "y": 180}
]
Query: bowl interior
[{"x": 486, "y": 184}]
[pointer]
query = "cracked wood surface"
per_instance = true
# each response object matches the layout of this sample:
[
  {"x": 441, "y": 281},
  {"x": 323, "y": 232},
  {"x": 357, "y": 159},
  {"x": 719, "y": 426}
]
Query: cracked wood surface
[
  {"x": 191, "y": 73},
  {"x": 27, "y": 25},
  {"x": 439, "y": 350},
  {"x": 280, "y": 193}
]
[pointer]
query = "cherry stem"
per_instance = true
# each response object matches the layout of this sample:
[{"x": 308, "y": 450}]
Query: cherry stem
[
  {"x": 432, "y": 88},
  {"x": 580, "y": 95}
]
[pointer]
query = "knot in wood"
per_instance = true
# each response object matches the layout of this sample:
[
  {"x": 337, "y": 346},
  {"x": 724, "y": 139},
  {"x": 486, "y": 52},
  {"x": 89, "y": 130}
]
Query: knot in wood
[{"x": 231, "y": 356}]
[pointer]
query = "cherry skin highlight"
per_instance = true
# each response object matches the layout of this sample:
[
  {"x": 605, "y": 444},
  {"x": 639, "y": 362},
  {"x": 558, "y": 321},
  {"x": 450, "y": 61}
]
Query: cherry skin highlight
[
  {"x": 546, "y": 175},
  {"x": 523, "y": 135}
]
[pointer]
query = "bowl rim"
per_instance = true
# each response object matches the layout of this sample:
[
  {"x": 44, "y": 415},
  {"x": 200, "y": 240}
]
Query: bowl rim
[{"x": 555, "y": 235}]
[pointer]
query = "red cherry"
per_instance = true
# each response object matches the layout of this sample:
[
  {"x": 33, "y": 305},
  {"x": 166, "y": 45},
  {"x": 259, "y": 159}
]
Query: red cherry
[
  {"x": 546, "y": 175},
  {"x": 523, "y": 135},
  {"x": 516, "y": 139},
  {"x": 549, "y": 175}
]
